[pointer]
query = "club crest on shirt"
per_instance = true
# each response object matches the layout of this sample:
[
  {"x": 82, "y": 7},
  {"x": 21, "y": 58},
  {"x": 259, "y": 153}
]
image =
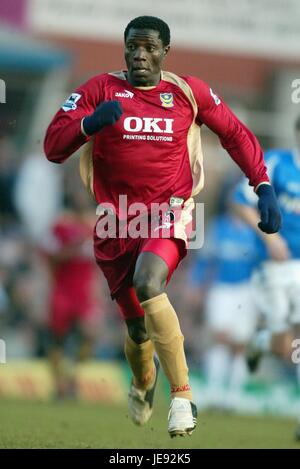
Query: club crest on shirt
[{"x": 166, "y": 99}]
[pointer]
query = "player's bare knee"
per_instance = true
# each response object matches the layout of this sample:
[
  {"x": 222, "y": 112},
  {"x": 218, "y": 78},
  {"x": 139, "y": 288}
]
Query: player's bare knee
[
  {"x": 136, "y": 330},
  {"x": 147, "y": 287}
]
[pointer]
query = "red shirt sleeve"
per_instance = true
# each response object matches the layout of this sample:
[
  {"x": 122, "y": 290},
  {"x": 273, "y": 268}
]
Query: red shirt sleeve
[
  {"x": 235, "y": 137},
  {"x": 64, "y": 135}
]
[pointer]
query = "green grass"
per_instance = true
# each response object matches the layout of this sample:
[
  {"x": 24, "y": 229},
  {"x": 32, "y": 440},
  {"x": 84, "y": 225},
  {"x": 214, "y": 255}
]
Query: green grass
[{"x": 80, "y": 425}]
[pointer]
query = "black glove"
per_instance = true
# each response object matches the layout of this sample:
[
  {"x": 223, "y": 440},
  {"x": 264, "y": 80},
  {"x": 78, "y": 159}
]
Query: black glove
[
  {"x": 107, "y": 113},
  {"x": 269, "y": 209}
]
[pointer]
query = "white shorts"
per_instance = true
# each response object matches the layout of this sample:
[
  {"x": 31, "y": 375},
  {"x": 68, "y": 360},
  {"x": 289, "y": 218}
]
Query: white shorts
[
  {"x": 276, "y": 287},
  {"x": 230, "y": 309}
]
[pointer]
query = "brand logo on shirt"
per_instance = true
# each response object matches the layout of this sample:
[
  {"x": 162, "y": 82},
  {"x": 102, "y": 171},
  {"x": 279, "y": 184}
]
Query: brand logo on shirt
[
  {"x": 148, "y": 124},
  {"x": 124, "y": 94},
  {"x": 70, "y": 103},
  {"x": 166, "y": 99}
]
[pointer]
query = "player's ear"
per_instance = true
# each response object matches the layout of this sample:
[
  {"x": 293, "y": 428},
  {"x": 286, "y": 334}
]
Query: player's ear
[{"x": 166, "y": 50}]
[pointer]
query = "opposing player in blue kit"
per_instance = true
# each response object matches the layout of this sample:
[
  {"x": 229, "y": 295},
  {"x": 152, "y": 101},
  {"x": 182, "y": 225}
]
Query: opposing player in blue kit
[{"x": 277, "y": 279}]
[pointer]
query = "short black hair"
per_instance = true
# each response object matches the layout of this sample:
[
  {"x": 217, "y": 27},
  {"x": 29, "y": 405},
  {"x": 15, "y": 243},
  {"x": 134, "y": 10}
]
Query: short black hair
[
  {"x": 150, "y": 22},
  {"x": 297, "y": 123}
]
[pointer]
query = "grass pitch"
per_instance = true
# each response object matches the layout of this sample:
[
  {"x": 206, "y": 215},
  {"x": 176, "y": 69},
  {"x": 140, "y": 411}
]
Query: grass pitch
[{"x": 26, "y": 424}]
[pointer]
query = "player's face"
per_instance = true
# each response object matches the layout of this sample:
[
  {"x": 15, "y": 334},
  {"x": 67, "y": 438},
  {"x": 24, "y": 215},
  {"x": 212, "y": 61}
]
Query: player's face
[{"x": 144, "y": 54}]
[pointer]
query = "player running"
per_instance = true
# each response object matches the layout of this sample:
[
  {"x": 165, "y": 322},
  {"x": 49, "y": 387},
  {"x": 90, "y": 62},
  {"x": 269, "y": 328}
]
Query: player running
[{"x": 142, "y": 126}]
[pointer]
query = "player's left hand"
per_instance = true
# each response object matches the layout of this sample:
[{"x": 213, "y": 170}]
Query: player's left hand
[{"x": 270, "y": 216}]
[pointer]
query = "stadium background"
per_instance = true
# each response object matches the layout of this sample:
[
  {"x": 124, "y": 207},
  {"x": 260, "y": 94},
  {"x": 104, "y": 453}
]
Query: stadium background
[{"x": 247, "y": 52}]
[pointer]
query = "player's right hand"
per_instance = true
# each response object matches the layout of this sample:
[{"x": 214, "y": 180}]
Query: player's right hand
[{"x": 107, "y": 113}]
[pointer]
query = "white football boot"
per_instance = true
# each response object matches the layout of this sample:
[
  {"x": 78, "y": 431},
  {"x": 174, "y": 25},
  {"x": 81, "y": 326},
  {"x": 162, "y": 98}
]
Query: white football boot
[{"x": 182, "y": 418}]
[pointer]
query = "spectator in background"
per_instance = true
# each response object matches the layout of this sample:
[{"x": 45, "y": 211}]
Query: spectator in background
[
  {"x": 38, "y": 195},
  {"x": 73, "y": 297},
  {"x": 8, "y": 174},
  {"x": 220, "y": 274}
]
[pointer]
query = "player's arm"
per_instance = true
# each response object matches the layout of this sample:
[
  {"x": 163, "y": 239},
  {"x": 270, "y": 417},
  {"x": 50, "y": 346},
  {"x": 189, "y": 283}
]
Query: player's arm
[
  {"x": 243, "y": 204},
  {"x": 242, "y": 146},
  {"x": 81, "y": 116}
]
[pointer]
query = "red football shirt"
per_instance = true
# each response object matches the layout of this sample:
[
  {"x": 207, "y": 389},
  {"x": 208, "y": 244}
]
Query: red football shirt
[{"x": 154, "y": 151}]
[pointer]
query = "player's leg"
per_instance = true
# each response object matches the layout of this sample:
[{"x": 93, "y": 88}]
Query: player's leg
[
  {"x": 295, "y": 321},
  {"x": 239, "y": 371},
  {"x": 61, "y": 367},
  {"x": 296, "y": 329},
  {"x": 88, "y": 316},
  {"x": 272, "y": 299},
  {"x": 116, "y": 259},
  {"x": 154, "y": 267},
  {"x": 161, "y": 321},
  {"x": 281, "y": 346},
  {"x": 244, "y": 321},
  {"x": 87, "y": 329},
  {"x": 217, "y": 358},
  {"x": 139, "y": 352}
]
